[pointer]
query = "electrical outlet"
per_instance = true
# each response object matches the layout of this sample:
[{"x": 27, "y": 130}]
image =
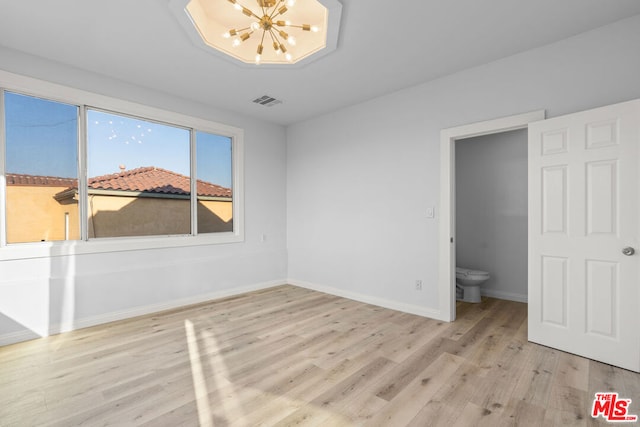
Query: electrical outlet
[{"x": 418, "y": 285}]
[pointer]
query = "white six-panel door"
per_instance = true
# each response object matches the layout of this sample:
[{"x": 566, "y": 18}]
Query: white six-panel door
[{"x": 584, "y": 292}]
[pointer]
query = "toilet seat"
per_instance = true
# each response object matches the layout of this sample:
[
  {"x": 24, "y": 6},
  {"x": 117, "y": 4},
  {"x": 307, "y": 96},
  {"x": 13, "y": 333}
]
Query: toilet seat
[{"x": 466, "y": 273}]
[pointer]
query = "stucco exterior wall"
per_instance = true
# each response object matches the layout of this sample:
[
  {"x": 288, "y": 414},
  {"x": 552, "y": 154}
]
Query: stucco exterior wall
[
  {"x": 215, "y": 216},
  {"x": 114, "y": 216},
  {"x": 34, "y": 215}
]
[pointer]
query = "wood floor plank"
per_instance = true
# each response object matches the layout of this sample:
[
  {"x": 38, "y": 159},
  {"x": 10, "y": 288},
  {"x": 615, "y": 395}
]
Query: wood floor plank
[
  {"x": 291, "y": 356},
  {"x": 534, "y": 384},
  {"x": 406, "y": 404},
  {"x": 523, "y": 413},
  {"x": 447, "y": 404},
  {"x": 345, "y": 398},
  {"x": 477, "y": 416}
]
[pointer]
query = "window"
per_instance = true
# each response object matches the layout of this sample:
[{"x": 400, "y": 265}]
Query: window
[
  {"x": 214, "y": 166},
  {"x": 149, "y": 173},
  {"x": 40, "y": 161},
  {"x": 138, "y": 177}
]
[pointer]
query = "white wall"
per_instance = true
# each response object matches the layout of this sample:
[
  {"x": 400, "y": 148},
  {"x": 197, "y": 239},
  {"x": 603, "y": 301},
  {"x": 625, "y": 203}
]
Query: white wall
[
  {"x": 491, "y": 211},
  {"x": 43, "y": 295},
  {"x": 360, "y": 179}
]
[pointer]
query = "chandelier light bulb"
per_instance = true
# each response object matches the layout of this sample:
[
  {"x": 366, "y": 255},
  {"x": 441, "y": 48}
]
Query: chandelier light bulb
[
  {"x": 255, "y": 26},
  {"x": 291, "y": 3},
  {"x": 226, "y": 35},
  {"x": 288, "y": 57},
  {"x": 291, "y": 40},
  {"x": 237, "y": 6},
  {"x": 314, "y": 28},
  {"x": 235, "y": 43}
]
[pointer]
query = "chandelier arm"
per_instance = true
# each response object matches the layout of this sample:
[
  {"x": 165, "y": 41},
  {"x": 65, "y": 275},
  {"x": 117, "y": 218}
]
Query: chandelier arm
[
  {"x": 267, "y": 12},
  {"x": 280, "y": 43},
  {"x": 274, "y": 37},
  {"x": 247, "y": 9},
  {"x": 253, "y": 14},
  {"x": 241, "y": 5},
  {"x": 278, "y": 14},
  {"x": 273, "y": 13}
]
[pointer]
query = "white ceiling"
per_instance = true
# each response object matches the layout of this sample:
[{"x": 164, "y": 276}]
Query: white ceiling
[{"x": 383, "y": 46}]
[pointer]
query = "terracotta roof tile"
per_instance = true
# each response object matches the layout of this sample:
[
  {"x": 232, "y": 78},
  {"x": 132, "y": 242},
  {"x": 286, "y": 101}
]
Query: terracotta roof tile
[
  {"x": 39, "y": 180},
  {"x": 155, "y": 180},
  {"x": 148, "y": 179}
]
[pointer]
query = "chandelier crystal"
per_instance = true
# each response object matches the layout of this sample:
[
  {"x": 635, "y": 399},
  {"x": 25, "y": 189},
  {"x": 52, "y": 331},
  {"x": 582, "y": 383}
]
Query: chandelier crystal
[{"x": 268, "y": 23}]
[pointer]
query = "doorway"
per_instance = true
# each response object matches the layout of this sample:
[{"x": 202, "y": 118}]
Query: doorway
[
  {"x": 448, "y": 138},
  {"x": 491, "y": 213}
]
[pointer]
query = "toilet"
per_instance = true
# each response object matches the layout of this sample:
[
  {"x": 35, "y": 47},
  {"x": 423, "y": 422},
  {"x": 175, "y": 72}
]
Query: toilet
[{"x": 468, "y": 284}]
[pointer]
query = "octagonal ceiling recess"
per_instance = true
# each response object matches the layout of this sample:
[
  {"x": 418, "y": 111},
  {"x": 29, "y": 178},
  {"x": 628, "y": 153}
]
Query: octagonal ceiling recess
[{"x": 269, "y": 32}]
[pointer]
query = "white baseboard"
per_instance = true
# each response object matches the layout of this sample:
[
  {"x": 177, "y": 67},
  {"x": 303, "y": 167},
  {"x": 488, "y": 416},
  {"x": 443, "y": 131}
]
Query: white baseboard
[
  {"x": 381, "y": 302},
  {"x": 504, "y": 295},
  {"x": 15, "y": 337}
]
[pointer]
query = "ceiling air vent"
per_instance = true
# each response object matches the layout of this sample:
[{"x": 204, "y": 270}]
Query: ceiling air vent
[{"x": 267, "y": 101}]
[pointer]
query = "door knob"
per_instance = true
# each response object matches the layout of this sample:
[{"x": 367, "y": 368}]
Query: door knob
[{"x": 628, "y": 251}]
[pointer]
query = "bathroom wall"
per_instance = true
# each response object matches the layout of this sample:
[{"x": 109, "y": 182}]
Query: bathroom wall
[{"x": 491, "y": 211}]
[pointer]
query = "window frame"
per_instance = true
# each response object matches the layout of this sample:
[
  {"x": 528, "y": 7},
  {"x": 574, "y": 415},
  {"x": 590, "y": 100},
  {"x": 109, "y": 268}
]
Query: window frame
[{"x": 87, "y": 100}]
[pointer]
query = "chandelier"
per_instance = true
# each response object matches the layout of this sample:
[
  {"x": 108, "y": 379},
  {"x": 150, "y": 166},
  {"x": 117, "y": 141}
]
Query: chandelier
[
  {"x": 268, "y": 23},
  {"x": 262, "y": 31}
]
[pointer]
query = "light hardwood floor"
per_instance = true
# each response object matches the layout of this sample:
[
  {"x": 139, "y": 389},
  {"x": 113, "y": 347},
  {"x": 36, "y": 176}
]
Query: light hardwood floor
[{"x": 291, "y": 356}]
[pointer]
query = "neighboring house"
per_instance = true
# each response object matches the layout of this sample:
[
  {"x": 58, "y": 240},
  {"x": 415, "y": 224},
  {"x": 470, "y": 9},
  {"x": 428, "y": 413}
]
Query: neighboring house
[
  {"x": 33, "y": 213},
  {"x": 140, "y": 202}
]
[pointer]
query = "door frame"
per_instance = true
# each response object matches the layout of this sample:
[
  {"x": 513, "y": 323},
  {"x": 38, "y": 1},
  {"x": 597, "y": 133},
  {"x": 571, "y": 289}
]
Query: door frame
[{"x": 447, "y": 238}]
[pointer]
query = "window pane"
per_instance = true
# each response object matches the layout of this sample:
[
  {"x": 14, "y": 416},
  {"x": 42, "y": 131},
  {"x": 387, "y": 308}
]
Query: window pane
[
  {"x": 213, "y": 163},
  {"x": 41, "y": 169},
  {"x": 138, "y": 174}
]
